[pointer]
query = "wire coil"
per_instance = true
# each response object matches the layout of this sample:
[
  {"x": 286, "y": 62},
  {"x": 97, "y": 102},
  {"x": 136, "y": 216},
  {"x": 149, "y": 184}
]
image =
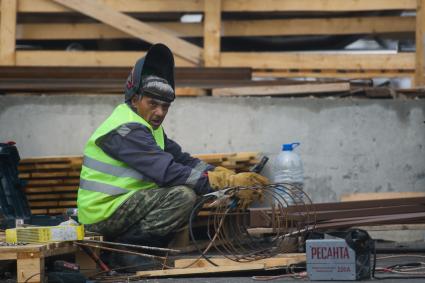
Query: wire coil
[{"x": 285, "y": 206}]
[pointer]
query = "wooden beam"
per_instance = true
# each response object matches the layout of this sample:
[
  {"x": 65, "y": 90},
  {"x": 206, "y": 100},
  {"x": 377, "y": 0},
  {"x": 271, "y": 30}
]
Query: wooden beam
[
  {"x": 333, "y": 74},
  {"x": 190, "y": 91},
  {"x": 30, "y": 267},
  {"x": 420, "y": 44},
  {"x": 326, "y": 26},
  {"x": 259, "y": 60},
  {"x": 8, "y": 32},
  {"x": 84, "y": 58},
  {"x": 307, "y": 60},
  {"x": 155, "y": 6},
  {"x": 127, "y": 24},
  {"x": 98, "y": 31},
  {"x": 212, "y": 32},
  {"x": 276, "y": 261},
  {"x": 150, "y": 6},
  {"x": 316, "y": 5},
  {"x": 279, "y": 90},
  {"x": 205, "y": 270},
  {"x": 280, "y": 27}
]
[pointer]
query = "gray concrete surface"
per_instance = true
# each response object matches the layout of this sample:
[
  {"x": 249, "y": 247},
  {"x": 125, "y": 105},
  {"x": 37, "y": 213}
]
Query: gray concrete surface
[{"x": 347, "y": 145}]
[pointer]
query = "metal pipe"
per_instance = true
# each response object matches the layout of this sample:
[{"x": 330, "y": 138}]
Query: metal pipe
[
  {"x": 132, "y": 246},
  {"x": 120, "y": 251}
]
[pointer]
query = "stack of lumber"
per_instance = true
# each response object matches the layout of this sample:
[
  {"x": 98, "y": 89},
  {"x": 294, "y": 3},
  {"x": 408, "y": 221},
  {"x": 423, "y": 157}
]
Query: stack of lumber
[
  {"x": 52, "y": 182},
  {"x": 189, "y": 82},
  {"x": 273, "y": 37}
]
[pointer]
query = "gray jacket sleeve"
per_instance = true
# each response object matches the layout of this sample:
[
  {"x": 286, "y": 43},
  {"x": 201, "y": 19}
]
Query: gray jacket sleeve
[
  {"x": 134, "y": 145},
  {"x": 184, "y": 157}
]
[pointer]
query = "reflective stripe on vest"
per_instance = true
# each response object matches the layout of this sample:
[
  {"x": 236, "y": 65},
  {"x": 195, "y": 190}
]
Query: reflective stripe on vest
[
  {"x": 101, "y": 188},
  {"x": 112, "y": 169}
]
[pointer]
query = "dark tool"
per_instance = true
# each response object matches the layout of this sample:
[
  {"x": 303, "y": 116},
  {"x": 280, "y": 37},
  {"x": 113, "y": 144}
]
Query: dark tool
[
  {"x": 257, "y": 168},
  {"x": 61, "y": 265}
]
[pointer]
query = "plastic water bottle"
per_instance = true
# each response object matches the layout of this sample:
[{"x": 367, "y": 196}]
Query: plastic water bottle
[{"x": 288, "y": 168}]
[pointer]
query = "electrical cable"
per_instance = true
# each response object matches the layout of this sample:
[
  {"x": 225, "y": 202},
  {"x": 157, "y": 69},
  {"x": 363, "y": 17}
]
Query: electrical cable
[{"x": 407, "y": 270}]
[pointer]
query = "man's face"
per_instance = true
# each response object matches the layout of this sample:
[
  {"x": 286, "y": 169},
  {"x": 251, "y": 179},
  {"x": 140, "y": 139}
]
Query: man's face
[{"x": 150, "y": 109}]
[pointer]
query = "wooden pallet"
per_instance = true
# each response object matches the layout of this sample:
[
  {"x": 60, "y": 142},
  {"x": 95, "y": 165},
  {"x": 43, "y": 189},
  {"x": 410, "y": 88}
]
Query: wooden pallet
[{"x": 30, "y": 258}]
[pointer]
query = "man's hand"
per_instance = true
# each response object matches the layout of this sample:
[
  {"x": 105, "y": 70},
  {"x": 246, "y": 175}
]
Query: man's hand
[{"x": 247, "y": 179}]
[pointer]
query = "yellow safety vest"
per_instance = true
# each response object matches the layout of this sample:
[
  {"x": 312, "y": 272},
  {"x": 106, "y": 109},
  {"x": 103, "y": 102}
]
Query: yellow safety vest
[{"x": 105, "y": 183}]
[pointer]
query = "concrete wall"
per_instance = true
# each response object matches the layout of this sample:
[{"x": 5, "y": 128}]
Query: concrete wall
[{"x": 347, "y": 145}]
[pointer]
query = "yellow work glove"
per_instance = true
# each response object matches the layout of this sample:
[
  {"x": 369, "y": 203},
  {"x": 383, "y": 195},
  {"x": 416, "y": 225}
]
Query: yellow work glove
[
  {"x": 247, "y": 196},
  {"x": 223, "y": 169},
  {"x": 219, "y": 180}
]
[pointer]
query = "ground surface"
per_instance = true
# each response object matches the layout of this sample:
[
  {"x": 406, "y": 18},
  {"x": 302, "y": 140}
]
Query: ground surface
[{"x": 249, "y": 279}]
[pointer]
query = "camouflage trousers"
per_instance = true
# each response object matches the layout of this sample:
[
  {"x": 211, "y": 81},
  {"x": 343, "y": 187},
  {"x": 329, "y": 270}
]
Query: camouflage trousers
[{"x": 148, "y": 214}]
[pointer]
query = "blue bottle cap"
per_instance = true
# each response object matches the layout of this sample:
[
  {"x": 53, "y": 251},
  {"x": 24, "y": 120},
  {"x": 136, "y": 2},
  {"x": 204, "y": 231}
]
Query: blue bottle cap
[{"x": 290, "y": 146}]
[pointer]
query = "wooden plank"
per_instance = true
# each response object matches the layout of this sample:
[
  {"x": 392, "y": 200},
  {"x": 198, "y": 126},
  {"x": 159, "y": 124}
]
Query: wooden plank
[
  {"x": 212, "y": 32},
  {"x": 47, "y": 6},
  {"x": 108, "y": 15},
  {"x": 8, "y": 32},
  {"x": 152, "y": 6},
  {"x": 333, "y": 74},
  {"x": 204, "y": 270},
  {"x": 51, "y": 189},
  {"x": 84, "y": 58},
  {"x": 43, "y": 204},
  {"x": 42, "y": 182},
  {"x": 52, "y": 159},
  {"x": 276, "y": 261},
  {"x": 420, "y": 44},
  {"x": 42, "y": 167},
  {"x": 307, "y": 60},
  {"x": 30, "y": 269},
  {"x": 258, "y": 60},
  {"x": 183, "y": 76},
  {"x": 282, "y": 90},
  {"x": 278, "y": 27},
  {"x": 383, "y": 195},
  {"x": 51, "y": 211},
  {"x": 317, "y": 5},
  {"x": 322, "y": 26},
  {"x": 51, "y": 196},
  {"x": 97, "y": 30},
  {"x": 7, "y": 255},
  {"x": 190, "y": 91},
  {"x": 47, "y": 175}
]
